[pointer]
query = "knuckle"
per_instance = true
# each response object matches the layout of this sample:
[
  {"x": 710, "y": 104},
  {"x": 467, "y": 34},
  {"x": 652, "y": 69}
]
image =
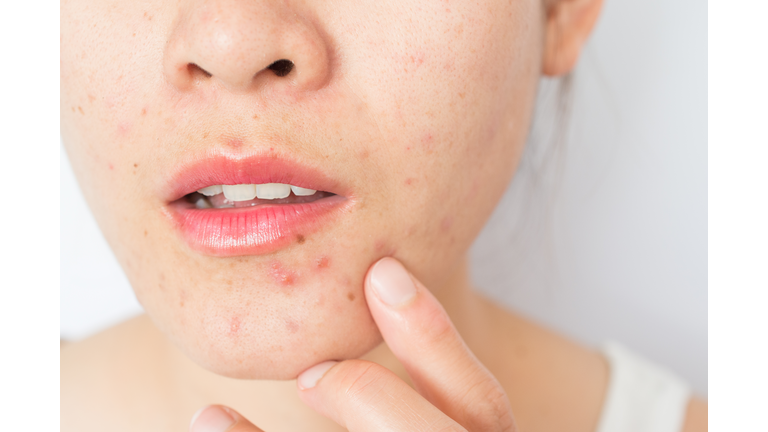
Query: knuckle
[
  {"x": 362, "y": 381},
  {"x": 489, "y": 409}
]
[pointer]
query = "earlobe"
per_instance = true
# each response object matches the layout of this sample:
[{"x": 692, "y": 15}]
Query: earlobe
[{"x": 567, "y": 27}]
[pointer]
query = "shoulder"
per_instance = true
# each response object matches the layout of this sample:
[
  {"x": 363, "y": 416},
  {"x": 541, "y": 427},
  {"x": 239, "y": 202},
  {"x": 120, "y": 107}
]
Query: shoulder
[{"x": 107, "y": 376}]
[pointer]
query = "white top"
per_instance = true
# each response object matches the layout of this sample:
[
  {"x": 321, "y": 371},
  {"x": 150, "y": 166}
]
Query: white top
[{"x": 642, "y": 397}]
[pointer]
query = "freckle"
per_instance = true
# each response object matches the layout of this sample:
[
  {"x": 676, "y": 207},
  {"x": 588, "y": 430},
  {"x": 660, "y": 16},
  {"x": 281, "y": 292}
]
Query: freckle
[
  {"x": 351, "y": 297},
  {"x": 145, "y": 233},
  {"x": 205, "y": 135},
  {"x": 322, "y": 262},
  {"x": 134, "y": 35},
  {"x": 143, "y": 111},
  {"x": 461, "y": 95},
  {"x": 162, "y": 276},
  {"x": 135, "y": 165},
  {"x": 228, "y": 282},
  {"x": 300, "y": 239},
  {"x": 91, "y": 98},
  {"x": 73, "y": 109},
  {"x": 79, "y": 108},
  {"x": 255, "y": 116}
]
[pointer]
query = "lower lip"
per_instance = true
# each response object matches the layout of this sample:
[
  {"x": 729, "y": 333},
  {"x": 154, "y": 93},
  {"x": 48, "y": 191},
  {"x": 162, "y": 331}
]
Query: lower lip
[{"x": 257, "y": 230}]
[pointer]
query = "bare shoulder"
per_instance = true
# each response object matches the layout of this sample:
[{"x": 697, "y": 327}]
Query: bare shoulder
[{"x": 109, "y": 376}]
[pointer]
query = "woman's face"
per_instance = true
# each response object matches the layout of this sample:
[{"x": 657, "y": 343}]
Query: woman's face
[{"x": 410, "y": 116}]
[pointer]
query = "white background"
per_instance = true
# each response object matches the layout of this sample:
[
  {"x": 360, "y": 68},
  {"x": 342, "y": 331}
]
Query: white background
[{"x": 618, "y": 251}]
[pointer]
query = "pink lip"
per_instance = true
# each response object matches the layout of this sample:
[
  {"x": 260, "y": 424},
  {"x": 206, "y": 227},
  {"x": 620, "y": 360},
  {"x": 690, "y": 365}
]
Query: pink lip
[{"x": 250, "y": 230}]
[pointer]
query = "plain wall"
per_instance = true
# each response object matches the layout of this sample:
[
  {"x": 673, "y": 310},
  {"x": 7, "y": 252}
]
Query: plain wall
[{"x": 612, "y": 244}]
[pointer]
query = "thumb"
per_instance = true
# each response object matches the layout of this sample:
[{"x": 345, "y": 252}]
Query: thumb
[{"x": 218, "y": 418}]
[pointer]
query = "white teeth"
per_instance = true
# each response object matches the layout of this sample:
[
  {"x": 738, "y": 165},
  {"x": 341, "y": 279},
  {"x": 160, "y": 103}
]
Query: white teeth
[
  {"x": 241, "y": 192},
  {"x": 210, "y": 190},
  {"x": 273, "y": 191},
  {"x": 300, "y": 191}
]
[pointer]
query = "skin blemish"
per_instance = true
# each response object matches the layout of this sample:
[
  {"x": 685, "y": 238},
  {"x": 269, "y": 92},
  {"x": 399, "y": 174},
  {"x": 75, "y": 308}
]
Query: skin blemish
[
  {"x": 300, "y": 239},
  {"x": 281, "y": 275},
  {"x": 409, "y": 181},
  {"x": 234, "y": 143},
  {"x": 322, "y": 262},
  {"x": 73, "y": 109},
  {"x": 143, "y": 111},
  {"x": 79, "y": 108},
  {"x": 446, "y": 223},
  {"x": 145, "y": 233},
  {"x": 351, "y": 296},
  {"x": 111, "y": 167},
  {"x": 292, "y": 326},
  {"x": 234, "y": 326},
  {"x": 182, "y": 298}
]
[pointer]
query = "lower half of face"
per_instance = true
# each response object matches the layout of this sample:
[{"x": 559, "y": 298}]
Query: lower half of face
[{"x": 415, "y": 122}]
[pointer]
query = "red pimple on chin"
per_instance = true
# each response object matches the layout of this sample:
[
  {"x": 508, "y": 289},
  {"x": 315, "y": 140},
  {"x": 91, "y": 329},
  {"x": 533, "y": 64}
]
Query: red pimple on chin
[
  {"x": 234, "y": 325},
  {"x": 322, "y": 262},
  {"x": 281, "y": 275}
]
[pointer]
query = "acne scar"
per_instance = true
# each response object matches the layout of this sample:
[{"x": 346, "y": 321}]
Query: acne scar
[
  {"x": 351, "y": 297},
  {"x": 300, "y": 239},
  {"x": 322, "y": 262}
]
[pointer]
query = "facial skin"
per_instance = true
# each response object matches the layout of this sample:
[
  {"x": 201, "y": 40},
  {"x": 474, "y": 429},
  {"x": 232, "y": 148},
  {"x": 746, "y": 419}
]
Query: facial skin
[{"x": 421, "y": 108}]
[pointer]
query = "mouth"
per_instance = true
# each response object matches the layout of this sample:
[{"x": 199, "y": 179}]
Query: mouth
[{"x": 231, "y": 206}]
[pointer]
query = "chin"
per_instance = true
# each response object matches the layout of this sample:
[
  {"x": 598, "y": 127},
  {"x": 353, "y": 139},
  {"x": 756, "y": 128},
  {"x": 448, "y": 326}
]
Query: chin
[{"x": 254, "y": 328}]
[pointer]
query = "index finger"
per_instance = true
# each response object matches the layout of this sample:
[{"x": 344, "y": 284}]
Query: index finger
[{"x": 421, "y": 335}]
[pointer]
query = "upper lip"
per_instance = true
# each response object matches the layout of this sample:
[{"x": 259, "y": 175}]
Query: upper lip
[{"x": 254, "y": 167}]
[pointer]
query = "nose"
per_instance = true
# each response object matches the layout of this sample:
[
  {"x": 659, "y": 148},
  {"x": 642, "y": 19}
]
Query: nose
[{"x": 243, "y": 44}]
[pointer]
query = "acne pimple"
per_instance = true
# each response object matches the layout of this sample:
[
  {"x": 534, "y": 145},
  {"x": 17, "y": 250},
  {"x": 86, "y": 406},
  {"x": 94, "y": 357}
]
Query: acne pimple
[
  {"x": 281, "y": 275},
  {"x": 234, "y": 325},
  {"x": 409, "y": 181}
]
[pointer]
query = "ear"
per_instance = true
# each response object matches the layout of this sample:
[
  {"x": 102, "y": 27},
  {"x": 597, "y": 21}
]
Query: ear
[{"x": 568, "y": 24}]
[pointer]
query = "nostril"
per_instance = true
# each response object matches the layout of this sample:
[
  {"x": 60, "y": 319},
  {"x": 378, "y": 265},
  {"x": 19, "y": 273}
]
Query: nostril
[
  {"x": 281, "y": 68},
  {"x": 197, "y": 72}
]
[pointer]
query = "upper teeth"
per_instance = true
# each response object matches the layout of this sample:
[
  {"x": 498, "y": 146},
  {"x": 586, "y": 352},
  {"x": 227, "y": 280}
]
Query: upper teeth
[{"x": 247, "y": 192}]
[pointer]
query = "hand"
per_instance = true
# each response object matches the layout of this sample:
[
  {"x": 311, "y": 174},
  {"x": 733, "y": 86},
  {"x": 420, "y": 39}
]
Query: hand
[{"x": 454, "y": 391}]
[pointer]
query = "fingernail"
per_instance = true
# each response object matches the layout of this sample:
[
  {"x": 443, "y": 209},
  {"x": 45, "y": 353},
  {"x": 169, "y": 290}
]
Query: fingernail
[
  {"x": 391, "y": 282},
  {"x": 311, "y": 376},
  {"x": 211, "y": 419}
]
